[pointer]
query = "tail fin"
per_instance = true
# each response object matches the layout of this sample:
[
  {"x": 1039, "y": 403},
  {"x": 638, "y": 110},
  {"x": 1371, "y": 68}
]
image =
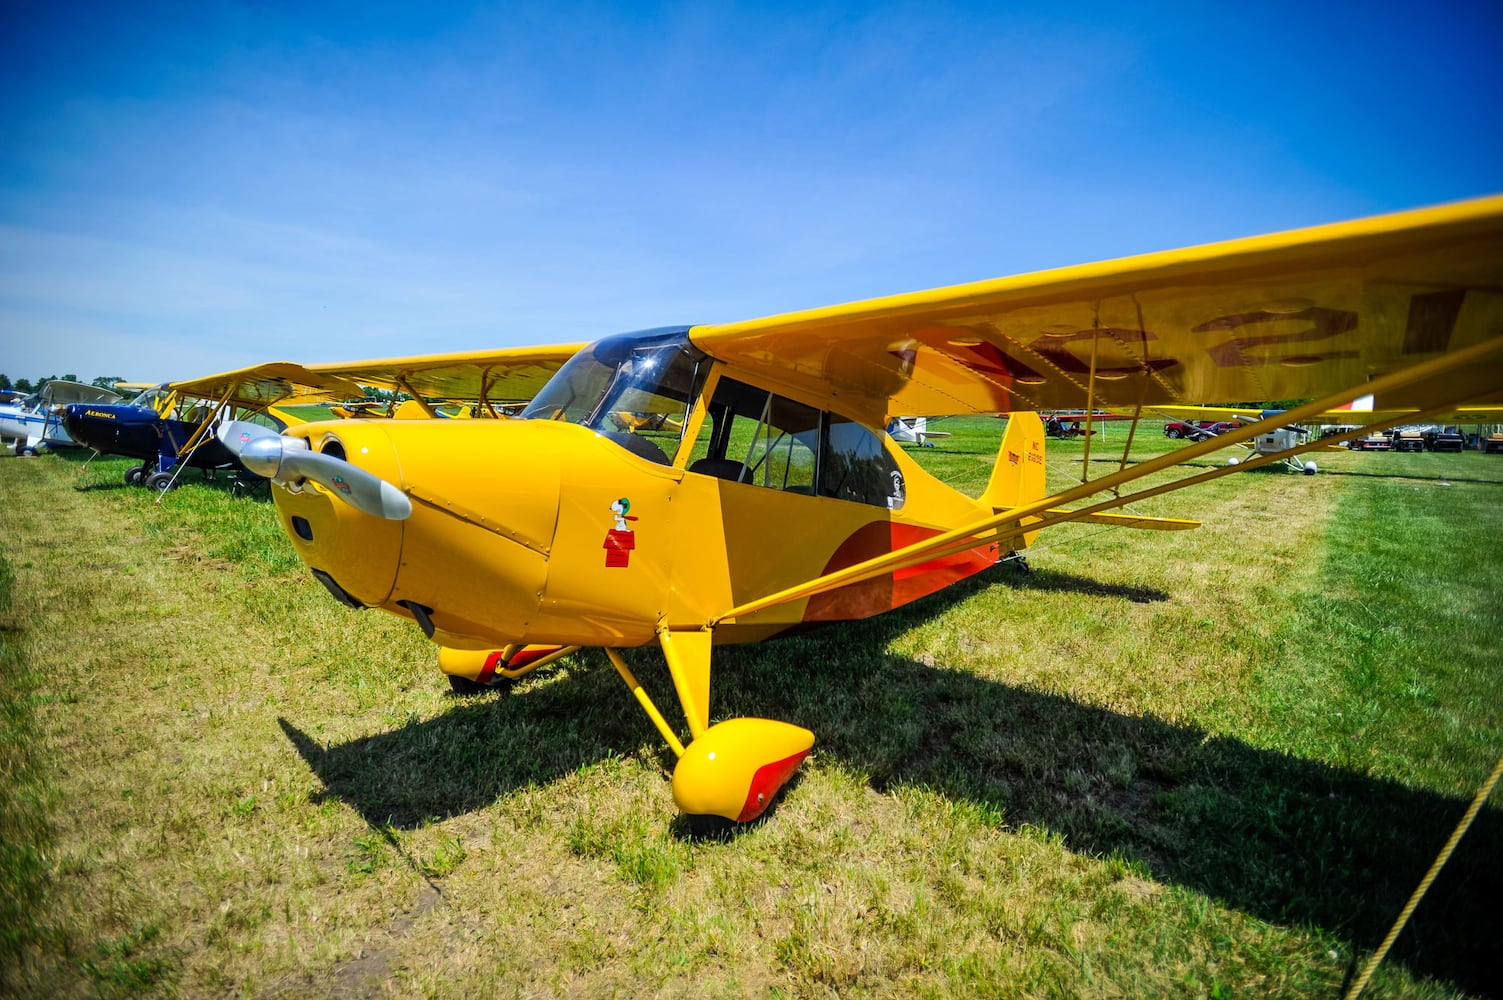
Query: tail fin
[{"x": 1018, "y": 476}]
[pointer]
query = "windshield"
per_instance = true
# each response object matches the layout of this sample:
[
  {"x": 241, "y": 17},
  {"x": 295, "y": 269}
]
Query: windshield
[
  {"x": 158, "y": 398},
  {"x": 636, "y": 389}
]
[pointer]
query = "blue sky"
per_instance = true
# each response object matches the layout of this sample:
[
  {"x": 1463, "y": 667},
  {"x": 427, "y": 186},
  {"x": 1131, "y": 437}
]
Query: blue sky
[{"x": 189, "y": 188}]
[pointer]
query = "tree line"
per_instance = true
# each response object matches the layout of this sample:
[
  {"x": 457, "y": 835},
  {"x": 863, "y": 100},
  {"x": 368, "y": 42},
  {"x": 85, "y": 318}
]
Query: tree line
[{"x": 27, "y": 385}]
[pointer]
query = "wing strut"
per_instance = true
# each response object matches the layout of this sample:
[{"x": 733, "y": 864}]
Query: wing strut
[
  {"x": 198, "y": 436},
  {"x": 1090, "y": 401}
]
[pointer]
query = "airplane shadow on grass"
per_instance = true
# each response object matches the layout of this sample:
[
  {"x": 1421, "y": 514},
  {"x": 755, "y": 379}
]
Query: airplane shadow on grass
[{"x": 1286, "y": 840}]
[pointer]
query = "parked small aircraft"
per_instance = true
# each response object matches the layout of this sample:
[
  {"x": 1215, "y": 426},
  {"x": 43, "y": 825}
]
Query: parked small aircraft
[
  {"x": 1279, "y": 440},
  {"x": 35, "y": 420},
  {"x": 169, "y": 426},
  {"x": 767, "y": 500},
  {"x": 913, "y": 430}
]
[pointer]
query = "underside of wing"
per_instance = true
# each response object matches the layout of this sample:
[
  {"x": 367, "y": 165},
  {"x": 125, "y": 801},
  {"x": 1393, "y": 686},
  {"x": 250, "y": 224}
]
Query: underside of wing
[
  {"x": 61, "y": 391},
  {"x": 494, "y": 377},
  {"x": 1288, "y": 316},
  {"x": 264, "y": 385}
]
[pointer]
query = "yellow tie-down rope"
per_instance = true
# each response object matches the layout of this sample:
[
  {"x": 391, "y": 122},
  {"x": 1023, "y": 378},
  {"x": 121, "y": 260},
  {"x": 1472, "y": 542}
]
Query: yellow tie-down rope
[{"x": 1419, "y": 892}]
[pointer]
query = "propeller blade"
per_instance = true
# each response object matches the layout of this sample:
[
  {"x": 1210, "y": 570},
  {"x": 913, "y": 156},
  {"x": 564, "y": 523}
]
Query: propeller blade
[
  {"x": 260, "y": 449},
  {"x": 362, "y": 490},
  {"x": 236, "y": 434},
  {"x": 285, "y": 459}
]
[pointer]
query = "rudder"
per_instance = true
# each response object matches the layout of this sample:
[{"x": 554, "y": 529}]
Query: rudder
[{"x": 1018, "y": 475}]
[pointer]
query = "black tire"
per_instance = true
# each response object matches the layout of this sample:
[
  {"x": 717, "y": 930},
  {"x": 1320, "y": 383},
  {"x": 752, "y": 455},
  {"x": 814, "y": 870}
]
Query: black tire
[
  {"x": 1173, "y": 432},
  {"x": 711, "y": 827},
  {"x": 135, "y": 475},
  {"x": 159, "y": 481},
  {"x": 467, "y": 688}
]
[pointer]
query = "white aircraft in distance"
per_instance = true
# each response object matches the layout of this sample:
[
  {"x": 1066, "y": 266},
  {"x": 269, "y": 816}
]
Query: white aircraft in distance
[
  {"x": 913, "y": 430},
  {"x": 36, "y": 420}
]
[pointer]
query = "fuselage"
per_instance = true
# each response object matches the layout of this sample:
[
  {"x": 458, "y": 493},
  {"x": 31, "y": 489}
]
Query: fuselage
[
  {"x": 565, "y": 528},
  {"x": 140, "y": 432}
]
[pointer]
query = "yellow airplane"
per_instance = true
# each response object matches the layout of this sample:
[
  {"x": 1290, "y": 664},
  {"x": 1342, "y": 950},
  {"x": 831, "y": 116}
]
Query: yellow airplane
[{"x": 768, "y": 499}]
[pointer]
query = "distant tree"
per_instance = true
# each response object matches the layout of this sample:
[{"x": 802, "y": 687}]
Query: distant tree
[
  {"x": 5, "y": 381},
  {"x": 22, "y": 385},
  {"x": 106, "y": 381},
  {"x": 70, "y": 377}
]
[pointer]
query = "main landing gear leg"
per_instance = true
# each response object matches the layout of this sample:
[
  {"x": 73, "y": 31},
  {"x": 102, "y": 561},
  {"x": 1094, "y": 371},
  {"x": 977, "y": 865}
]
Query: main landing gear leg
[{"x": 730, "y": 772}]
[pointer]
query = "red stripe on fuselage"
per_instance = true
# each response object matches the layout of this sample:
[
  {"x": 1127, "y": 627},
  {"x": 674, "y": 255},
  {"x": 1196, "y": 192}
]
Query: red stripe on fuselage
[{"x": 892, "y": 590}]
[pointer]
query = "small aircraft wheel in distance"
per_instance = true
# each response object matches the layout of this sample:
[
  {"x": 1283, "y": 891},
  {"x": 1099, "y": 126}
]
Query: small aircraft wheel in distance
[
  {"x": 159, "y": 481},
  {"x": 1310, "y": 468},
  {"x": 135, "y": 475},
  {"x": 1174, "y": 432}
]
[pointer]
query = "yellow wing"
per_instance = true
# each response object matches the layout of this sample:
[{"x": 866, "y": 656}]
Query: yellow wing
[
  {"x": 1288, "y": 316},
  {"x": 488, "y": 377},
  {"x": 264, "y": 385}
]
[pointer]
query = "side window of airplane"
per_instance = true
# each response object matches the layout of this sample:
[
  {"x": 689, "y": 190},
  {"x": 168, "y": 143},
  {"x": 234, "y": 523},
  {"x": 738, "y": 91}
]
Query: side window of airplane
[
  {"x": 857, "y": 467},
  {"x": 754, "y": 436}
]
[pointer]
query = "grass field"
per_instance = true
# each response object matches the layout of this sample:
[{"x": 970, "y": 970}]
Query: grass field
[{"x": 1208, "y": 763}]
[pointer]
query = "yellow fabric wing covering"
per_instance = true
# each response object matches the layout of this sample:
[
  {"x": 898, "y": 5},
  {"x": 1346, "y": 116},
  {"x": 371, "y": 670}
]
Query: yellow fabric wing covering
[
  {"x": 263, "y": 385},
  {"x": 1289, "y": 316},
  {"x": 511, "y": 375}
]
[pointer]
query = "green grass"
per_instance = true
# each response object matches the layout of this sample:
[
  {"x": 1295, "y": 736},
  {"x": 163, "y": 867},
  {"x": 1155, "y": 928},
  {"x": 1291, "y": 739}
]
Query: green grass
[{"x": 1210, "y": 763}]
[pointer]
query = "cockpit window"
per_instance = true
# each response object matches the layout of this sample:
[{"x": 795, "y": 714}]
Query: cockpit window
[
  {"x": 159, "y": 399},
  {"x": 758, "y": 437},
  {"x": 755, "y": 436},
  {"x": 857, "y": 467},
  {"x": 635, "y": 389}
]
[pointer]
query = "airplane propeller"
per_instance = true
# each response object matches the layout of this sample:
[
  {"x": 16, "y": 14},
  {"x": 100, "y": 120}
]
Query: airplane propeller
[{"x": 285, "y": 459}]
